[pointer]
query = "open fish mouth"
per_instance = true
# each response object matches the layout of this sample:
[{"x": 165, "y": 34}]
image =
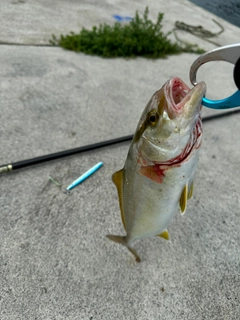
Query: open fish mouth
[
  {"x": 178, "y": 95},
  {"x": 174, "y": 138},
  {"x": 177, "y": 92}
]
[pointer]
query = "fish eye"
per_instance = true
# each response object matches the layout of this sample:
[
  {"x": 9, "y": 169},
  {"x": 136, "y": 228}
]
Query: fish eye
[{"x": 153, "y": 117}]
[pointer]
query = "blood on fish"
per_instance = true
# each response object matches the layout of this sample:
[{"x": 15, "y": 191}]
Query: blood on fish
[{"x": 154, "y": 173}]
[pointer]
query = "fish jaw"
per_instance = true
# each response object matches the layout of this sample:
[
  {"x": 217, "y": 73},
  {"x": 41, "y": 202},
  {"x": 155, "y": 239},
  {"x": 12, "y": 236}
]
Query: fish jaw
[
  {"x": 183, "y": 102},
  {"x": 179, "y": 109}
]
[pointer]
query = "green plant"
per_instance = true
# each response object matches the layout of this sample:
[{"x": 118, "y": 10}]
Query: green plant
[{"x": 141, "y": 37}]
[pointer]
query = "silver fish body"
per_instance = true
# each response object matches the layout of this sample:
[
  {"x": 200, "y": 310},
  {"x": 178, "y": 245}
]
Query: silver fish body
[{"x": 158, "y": 174}]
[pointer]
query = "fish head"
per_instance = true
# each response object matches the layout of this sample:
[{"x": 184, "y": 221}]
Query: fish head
[{"x": 170, "y": 122}]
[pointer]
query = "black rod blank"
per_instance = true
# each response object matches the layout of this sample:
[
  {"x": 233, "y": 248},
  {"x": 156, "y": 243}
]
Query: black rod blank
[
  {"x": 61, "y": 154},
  {"x": 66, "y": 153}
]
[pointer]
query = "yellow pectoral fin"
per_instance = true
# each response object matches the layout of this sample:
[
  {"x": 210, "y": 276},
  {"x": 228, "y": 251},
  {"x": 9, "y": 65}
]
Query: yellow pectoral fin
[
  {"x": 117, "y": 179},
  {"x": 164, "y": 235},
  {"x": 183, "y": 199},
  {"x": 190, "y": 191}
]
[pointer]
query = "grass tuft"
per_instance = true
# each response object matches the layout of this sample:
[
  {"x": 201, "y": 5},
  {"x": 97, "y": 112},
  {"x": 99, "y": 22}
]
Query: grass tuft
[{"x": 141, "y": 37}]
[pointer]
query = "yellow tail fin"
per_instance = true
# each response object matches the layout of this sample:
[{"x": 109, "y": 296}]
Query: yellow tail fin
[{"x": 122, "y": 240}]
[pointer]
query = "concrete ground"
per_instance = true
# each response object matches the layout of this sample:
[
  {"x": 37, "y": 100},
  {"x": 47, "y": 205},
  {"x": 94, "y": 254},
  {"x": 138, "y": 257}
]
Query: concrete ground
[{"x": 55, "y": 261}]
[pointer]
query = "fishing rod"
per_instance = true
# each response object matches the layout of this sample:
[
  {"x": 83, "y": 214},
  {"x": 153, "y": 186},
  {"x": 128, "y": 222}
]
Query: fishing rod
[{"x": 53, "y": 156}]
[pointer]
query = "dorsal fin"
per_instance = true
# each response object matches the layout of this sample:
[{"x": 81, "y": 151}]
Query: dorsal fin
[
  {"x": 183, "y": 199},
  {"x": 164, "y": 234},
  {"x": 117, "y": 179}
]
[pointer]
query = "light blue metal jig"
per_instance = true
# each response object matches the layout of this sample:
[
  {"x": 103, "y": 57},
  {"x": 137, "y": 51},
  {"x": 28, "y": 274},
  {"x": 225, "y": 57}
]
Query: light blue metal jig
[{"x": 85, "y": 176}]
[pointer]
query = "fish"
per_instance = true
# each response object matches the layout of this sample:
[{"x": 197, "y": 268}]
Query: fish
[{"x": 157, "y": 179}]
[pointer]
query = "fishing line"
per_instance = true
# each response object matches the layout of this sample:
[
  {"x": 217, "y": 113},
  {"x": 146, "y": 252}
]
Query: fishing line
[
  {"x": 94, "y": 146},
  {"x": 197, "y": 31}
]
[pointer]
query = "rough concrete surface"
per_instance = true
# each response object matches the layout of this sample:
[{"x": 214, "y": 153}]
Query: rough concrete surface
[{"x": 55, "y": 261}]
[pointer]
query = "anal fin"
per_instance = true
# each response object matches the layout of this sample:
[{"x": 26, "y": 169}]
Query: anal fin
[{"x": 164, "y": 235}]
